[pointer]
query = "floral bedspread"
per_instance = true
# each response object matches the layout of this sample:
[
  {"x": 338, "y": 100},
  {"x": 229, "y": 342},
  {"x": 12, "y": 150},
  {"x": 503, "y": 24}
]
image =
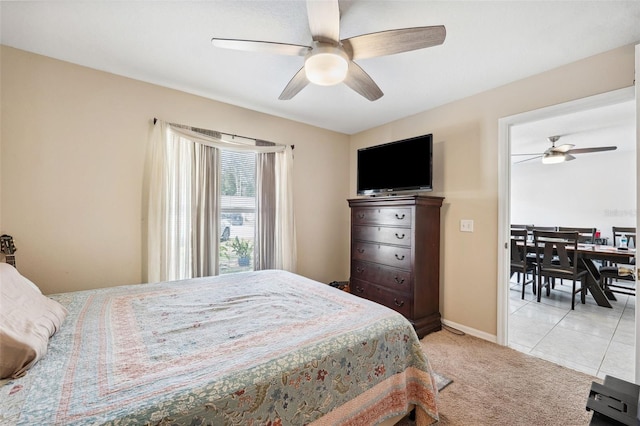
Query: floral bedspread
[{"x": 259, "y": 348}]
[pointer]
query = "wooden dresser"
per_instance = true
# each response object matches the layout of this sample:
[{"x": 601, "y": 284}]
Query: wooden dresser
[{"x": 395, "y": 256}]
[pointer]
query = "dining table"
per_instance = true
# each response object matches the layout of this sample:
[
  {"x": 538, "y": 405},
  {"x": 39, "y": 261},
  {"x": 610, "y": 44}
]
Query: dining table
[{"x": 587, "y": 254}]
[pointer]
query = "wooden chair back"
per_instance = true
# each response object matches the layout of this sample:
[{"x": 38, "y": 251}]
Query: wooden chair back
[
  {"x": 556, "y": 253},
  {"x": 629, "y": 232},
  {"x": 585, "y": 235},
  {"x": 544, "y": 228},
  {"x": 517, "y": 226},
  {"x": 518, "y": 251}
]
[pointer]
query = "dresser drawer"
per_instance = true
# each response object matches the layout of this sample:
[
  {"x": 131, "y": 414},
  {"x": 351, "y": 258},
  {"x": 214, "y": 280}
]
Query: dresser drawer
[
  {"x": 392, "y": 278},
  {"x": 381, "y": 216},
  {"x": 398, "y": 257},
  {"x": 396, "y": 301},
  {"x": 381, "y": 234}
]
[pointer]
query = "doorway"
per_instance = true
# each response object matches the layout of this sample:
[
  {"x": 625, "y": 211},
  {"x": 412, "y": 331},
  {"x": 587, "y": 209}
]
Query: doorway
[{"x": 510, "y": 130}]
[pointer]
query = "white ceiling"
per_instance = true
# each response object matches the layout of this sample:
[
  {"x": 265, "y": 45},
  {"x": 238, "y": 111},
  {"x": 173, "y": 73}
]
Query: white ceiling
[
  {"x": 610, "y": 125},
  {"x": 488, "y": 44}
]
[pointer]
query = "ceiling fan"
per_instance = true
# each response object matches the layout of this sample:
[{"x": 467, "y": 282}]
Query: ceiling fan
[
  {"x": 558, "y": 154},
  {"x": 329, "y": 60}
]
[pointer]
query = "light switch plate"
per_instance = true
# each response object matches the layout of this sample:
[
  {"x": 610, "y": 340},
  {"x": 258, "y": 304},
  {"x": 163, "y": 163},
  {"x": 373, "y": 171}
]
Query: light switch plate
[{"x": 466, "y": 225}]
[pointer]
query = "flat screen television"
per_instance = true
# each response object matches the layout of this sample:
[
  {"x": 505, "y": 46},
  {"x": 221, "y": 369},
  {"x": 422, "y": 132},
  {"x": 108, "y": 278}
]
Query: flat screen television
[{"x": 401, "y": 166}]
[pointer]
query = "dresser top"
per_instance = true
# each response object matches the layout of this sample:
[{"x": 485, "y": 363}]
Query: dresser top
[{"x": 395, "y": 200}]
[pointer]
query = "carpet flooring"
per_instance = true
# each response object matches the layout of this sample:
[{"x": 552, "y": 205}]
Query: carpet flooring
[{"x": 495, "y": 385}]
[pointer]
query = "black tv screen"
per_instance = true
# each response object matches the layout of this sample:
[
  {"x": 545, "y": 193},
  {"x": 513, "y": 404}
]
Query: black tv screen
[{"x": 401, "y": 166}]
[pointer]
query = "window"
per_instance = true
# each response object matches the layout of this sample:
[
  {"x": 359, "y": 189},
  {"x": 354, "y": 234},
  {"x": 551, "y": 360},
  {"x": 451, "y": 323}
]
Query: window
[
  {"x": 237, "y": 211},
  {"x": 217, "y": 206}
]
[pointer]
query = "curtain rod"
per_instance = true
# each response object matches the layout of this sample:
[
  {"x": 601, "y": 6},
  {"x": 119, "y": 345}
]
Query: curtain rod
[{"x": 155, "y": 120}]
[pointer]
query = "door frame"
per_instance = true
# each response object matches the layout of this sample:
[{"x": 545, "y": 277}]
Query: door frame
[
  {"x": 504, "y": 186},
  {"x": 637, "y": 94}
]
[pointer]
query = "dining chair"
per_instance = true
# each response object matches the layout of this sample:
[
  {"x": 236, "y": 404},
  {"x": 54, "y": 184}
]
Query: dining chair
[
  {"x": 520, "y": 264},
  {"x": 629, "y": 232},
  {"x": 532, "y": 256},
  {"x": 585, "y": 235},
  {"x": 539, "y": 228},
  {"x": 563, "y": 247},
  {"x": 544, "y": 228},
  {"x": 612, "y": 275},
  {"x": 518, "y": 226}
]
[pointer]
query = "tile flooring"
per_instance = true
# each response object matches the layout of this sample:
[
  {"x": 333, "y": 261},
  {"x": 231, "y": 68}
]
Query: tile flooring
[{"x": 592, "y": 339}]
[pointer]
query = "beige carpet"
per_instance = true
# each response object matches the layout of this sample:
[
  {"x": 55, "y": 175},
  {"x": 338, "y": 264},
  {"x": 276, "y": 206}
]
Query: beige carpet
[{"x": 495, "y": 385}]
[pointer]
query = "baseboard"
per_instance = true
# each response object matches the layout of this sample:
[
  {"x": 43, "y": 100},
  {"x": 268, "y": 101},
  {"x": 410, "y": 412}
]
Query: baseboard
[{"x": 471, "y": 331}]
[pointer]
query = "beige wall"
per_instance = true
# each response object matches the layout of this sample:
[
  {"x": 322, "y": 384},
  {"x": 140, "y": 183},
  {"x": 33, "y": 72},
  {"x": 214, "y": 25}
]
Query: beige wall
[
  {"x": 73, "y": 153},
  {"x": 466, "y": 172},
  {"x": 73, "y": 146}
]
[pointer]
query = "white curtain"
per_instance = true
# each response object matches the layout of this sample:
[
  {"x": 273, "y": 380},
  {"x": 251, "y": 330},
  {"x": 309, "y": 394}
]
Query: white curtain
[
  {"x": 183, "y": 197},
  {"x": 182, "y": 236},
  {"x": 285, "y": 234}
]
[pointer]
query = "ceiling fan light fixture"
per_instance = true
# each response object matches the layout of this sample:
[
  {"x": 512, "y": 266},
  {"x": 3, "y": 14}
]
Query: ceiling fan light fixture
[
  {"x": 554, "y": 157},
  {"x": 326, "y": 65}
]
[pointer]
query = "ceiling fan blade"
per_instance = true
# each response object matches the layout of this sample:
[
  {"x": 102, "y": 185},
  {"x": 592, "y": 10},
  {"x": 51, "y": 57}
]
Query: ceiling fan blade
[
  {"x": 295, "y": 85},
  {"x": 358, "y": 80},
  {"x": 569, "y": 157},
  {"x": 589, "y": 150},
  {"x": 394, "y": 41},
  {"x": 562, "y": 148},
  {"x": 261, "y": 46},
  {"x": 528, "y": 159},
  {"x": 324, "y": 20}
]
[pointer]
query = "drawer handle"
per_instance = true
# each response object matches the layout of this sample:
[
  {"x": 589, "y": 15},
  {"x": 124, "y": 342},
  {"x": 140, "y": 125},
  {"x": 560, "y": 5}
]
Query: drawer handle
[
  {"x": 359, "y": 269},
  {"x": 360, "y": 215},
  {"x": 400, "y": 216},
  {"x": 360, "y": 250},
  {"x": 399, "y": 280},
  {"x": 399, "y": 257},
  {"x": 359, "y": 289},
  {"x": 398, "y": 303},
  {"x": 400, "y": 237}
]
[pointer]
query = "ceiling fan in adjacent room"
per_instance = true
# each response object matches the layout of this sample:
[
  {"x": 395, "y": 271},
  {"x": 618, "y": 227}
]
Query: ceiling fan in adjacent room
[
  {"x": 329, "y": 60},
  {"x": 559, "y": 154}
]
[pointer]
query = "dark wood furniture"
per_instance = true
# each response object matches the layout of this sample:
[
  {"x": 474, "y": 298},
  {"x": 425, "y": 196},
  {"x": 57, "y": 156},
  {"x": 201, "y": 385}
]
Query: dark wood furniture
[
  {"x": 525, "y": 227},
  {"x": 395, "y": 256},
  {"x": 557, "y": 257},
  {"x": 520, "y": 264},
  {"x": 587, "y": 253},
  {"x": 585, "y": 235},
  {"x": 611, "y": 277},
  {"x": 619, "y": 231}
]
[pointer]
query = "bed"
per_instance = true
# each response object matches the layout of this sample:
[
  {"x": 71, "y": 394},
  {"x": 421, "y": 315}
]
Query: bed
[{"x": 255, "y": 348}]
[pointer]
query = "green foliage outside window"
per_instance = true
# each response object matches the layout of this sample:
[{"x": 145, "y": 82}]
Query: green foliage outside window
[{"x": 239, "y": 181}]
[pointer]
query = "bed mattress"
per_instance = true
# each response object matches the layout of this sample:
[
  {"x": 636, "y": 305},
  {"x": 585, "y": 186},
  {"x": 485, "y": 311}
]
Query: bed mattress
[{"x": 267, "y": 348}]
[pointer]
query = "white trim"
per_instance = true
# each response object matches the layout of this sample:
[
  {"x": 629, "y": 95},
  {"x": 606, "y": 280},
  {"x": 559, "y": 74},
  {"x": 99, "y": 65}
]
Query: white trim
[
  {"x": 637, "y": 93},
  {"x": 504, "y": 191},
  {"x": 470, "y": 331},
  {"x": 504, "y": 219}
]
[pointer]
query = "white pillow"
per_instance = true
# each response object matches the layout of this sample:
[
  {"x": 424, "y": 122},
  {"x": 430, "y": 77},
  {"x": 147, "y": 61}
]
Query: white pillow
[
  {"x": 27, "y": 321},
  {"x": 29, "y": 283},
  {"x": 5, "y": 267}
]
